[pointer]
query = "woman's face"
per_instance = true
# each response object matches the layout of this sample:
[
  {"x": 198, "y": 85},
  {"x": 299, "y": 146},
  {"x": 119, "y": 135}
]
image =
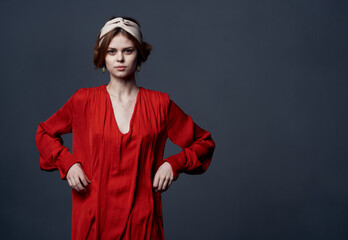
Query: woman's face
[{"x": 121, "y": 57}]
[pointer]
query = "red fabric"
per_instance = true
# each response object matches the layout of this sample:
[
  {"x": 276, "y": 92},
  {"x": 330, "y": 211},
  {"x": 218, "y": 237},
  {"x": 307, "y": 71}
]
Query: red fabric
[{"x": 120, "y": 202}]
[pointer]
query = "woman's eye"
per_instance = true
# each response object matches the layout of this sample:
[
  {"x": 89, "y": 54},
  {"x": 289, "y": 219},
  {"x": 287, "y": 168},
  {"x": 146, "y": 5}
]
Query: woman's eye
[
  {"x": 128, "y": 51},
  {"x": 111, "y": 51}
]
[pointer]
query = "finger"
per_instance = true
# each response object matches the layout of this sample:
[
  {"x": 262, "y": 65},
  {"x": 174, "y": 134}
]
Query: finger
[
  {"x": 78, "y": 184},
  {"x": 72, "y": 184},
  {"x": 155, "y": 181},
  {"x": 165, "y": 183},
  {"x": 69, "y": 181},
  {"x": 168, "y": 183},
  {"x": 160, "y": 184},
  {"x": 83, "y": 179}
]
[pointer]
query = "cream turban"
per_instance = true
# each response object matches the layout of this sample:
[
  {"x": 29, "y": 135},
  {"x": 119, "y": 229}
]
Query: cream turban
[{"x": 127, "y": 25}]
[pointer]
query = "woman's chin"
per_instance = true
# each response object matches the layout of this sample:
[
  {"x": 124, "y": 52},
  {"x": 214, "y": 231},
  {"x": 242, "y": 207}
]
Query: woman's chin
[{"x": 123, "y": 75}]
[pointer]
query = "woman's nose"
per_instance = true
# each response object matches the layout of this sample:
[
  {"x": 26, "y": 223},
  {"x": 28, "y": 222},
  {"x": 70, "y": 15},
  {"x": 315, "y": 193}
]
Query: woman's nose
[{"x": 119, "y": 57}]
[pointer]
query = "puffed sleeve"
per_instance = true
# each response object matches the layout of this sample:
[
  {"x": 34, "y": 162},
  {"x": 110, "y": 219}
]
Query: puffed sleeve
[
  {"x": 53, "y": 155},
  {"x": 196, "y": 143}
]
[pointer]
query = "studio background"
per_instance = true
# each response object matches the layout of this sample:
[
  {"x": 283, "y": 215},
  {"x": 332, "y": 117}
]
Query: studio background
[{"x": 268, "y": 79}]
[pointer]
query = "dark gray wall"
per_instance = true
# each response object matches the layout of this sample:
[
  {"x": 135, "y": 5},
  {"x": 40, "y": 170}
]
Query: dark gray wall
[{"x": 267, "y": 78}]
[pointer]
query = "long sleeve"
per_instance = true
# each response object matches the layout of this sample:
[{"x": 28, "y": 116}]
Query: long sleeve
[
  {"x": 53, "y": 155},
  {"x": 196, "y": 143}
]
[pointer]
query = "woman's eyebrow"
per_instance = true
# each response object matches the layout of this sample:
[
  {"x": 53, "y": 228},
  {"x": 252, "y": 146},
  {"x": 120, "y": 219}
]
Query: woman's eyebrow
[{"x": 121, "y": 48}]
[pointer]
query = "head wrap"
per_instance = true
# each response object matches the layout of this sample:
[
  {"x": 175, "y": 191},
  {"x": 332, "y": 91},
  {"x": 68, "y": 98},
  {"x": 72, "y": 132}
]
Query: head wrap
[{"x": 127, "y": 25}]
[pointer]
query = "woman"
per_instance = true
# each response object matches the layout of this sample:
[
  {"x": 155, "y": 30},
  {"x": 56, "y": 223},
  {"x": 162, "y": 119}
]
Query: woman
[{"x": 117, "y": 171}]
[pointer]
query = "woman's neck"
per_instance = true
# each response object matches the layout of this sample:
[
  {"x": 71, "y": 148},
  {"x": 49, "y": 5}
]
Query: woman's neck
[{"x": 122, "y": 88}]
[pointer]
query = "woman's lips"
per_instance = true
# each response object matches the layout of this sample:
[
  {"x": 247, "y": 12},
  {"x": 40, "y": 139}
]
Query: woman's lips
[{"x": 121, "y": 68}]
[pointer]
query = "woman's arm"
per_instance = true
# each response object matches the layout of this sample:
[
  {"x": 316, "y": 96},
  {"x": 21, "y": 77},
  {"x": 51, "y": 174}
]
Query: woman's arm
[
  {"x": 197, "y": 148},
  {"x": 196, "y": 143},
  {"x": 53, "y": 154}
]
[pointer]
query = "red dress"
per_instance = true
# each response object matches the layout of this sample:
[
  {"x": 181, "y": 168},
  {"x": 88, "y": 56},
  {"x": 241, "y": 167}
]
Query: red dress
[{"x": 120, "y": 202}]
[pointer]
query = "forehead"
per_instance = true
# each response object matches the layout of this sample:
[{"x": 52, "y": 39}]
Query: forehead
[{"x": 121, "y": 41}]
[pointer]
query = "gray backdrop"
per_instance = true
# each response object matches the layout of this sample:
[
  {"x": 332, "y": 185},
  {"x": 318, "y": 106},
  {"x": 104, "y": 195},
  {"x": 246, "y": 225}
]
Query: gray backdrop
[{"x": 268, "y": 79}]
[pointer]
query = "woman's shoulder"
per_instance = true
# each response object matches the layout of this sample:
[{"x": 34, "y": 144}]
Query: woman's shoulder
[
  {"x": 156, "y": 94},
  {"x": 87, "y": 91},
  {"x": 157, "y": 99}
]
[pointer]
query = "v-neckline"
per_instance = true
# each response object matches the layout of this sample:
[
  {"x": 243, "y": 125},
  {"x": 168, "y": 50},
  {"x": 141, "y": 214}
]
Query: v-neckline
[{"x": 114, "y": 115}]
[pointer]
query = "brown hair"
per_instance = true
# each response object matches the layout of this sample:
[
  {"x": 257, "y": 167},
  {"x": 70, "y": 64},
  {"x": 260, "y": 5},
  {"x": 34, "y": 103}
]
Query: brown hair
[{"x": 143, "y": 48}]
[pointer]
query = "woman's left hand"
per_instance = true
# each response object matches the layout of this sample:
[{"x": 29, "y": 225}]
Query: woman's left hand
[{"x": 163, "y": 177}]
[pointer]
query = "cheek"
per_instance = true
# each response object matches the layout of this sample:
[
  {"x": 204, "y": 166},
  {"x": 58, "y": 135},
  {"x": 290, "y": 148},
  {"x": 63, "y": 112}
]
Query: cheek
[
  {"x": 108, "y": 61},
  {"x": 133, "y": 60}
]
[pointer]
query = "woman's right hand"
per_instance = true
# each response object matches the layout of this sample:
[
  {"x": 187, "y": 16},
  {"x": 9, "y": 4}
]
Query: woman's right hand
[{"x": 77, "y": 178}]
